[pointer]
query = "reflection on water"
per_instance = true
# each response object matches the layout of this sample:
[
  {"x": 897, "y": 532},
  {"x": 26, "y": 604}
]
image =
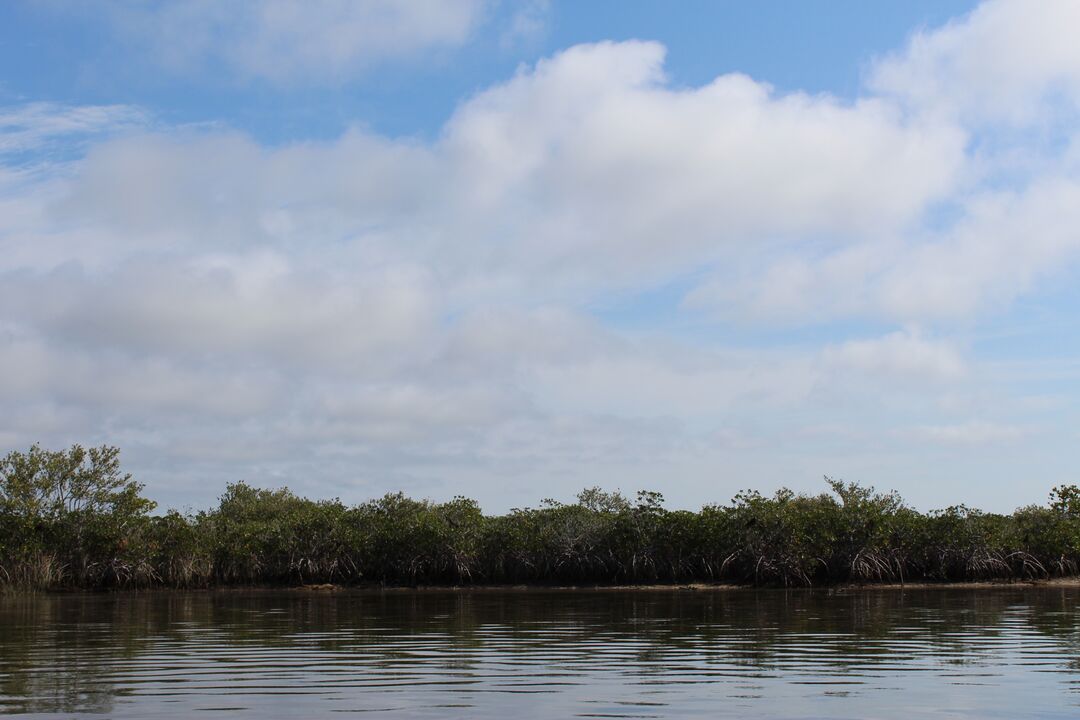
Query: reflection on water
[{"x": 1008, "y": 652}]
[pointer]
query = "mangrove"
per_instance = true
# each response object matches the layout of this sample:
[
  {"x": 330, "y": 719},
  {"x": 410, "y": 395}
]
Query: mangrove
[{"x": 71, "y": 519}]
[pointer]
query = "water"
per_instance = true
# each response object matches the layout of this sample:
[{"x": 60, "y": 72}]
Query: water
[{"x": 949, "y": 653}]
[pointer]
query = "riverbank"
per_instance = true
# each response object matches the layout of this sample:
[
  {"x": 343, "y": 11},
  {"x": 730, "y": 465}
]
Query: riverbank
[
  {"x": 373, "y": 588},
  {"x": 328, "y": 588},
  {"x": 684, "y": 587}
]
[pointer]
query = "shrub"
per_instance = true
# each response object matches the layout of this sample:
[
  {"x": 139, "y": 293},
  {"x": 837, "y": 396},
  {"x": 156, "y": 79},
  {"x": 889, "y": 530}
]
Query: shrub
[{"x": 73, "y": 519}]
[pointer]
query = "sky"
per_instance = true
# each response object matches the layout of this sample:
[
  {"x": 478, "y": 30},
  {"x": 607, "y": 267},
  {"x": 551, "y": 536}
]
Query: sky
[{"x": 510, "y": 250}]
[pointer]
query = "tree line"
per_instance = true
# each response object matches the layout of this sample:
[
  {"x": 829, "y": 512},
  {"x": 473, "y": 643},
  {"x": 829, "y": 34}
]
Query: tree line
[{"x": 72, "y": 519}]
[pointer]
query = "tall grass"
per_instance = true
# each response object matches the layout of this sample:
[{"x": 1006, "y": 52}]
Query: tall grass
[{"x": 71, "y": 519}]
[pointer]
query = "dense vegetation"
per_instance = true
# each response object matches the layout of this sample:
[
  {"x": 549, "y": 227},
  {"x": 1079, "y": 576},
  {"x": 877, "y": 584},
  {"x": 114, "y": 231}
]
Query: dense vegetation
[{"x": 73, "y": 519}]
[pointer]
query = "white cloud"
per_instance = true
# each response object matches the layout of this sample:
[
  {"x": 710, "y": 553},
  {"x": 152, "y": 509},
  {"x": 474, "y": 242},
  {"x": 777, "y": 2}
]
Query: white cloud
[
  {"x": 195, "y": 308},
  {"x": 590, "y": 158},
  {"x": 1007, "y": 61},
  {"x": 1006, "y": 79},
  {"x": 587, "y": 160},
  {"x": 693, "y": 388},
  {"x": 904, "y": 354},
  {"x": 1004, "y": 244},
  {"x": 291, "y": 41},
  {"x": 976, "y": 432},
  {"x": 136, "y": 388},
  {"x": 37, "y": 126}
]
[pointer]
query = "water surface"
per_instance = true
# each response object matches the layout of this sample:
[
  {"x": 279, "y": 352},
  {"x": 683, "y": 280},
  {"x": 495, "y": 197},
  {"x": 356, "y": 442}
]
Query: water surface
[{"x": 943, "y": 653}]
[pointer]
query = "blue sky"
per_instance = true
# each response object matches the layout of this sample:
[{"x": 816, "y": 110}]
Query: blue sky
[
  {"x": 510, "y": 250},
  {"x": 60, "y": 53}
]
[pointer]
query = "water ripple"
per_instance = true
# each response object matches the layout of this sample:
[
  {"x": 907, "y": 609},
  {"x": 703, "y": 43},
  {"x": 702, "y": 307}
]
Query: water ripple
[{"x": 1006, "y": 652}]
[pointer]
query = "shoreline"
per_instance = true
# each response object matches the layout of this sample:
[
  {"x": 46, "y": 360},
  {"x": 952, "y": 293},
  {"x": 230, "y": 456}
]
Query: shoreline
[
  {"x": 360, "y": 589},
  {"x": 1067, "y": 582}
]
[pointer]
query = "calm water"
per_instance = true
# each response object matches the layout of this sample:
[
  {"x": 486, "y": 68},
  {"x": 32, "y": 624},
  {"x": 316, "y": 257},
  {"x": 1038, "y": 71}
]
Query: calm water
[{"x": 1005, "y": 653}]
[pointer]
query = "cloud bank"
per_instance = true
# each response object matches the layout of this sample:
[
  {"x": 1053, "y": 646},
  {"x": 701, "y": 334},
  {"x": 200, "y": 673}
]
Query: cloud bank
[{"x": 374, "y": 313}]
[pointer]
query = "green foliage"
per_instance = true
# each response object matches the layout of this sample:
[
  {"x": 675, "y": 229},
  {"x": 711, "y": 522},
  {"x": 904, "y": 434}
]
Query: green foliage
[
  {"x": 274, "y": 536},
  {"x": 73, "y": 519},
  {"x": 178, "y": 551},
  {"x": 411, "y": 541},
  {"x": 1065, "y": 500}
]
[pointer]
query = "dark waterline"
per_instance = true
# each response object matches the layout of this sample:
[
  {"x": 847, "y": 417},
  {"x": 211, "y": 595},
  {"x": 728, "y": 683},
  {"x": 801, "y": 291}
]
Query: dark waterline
[{"x": 961, "y": 653}]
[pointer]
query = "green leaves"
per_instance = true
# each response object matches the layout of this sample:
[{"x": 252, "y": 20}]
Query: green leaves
[
  {"x": 1065, "y": 499},
  {"x": 73, "y": 515},
  {"x": 73, "y": 518}
]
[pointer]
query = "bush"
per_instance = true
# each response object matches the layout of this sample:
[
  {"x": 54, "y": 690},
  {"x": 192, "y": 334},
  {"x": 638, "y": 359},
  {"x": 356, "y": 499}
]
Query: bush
[{"x": 72, "y": 519}]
